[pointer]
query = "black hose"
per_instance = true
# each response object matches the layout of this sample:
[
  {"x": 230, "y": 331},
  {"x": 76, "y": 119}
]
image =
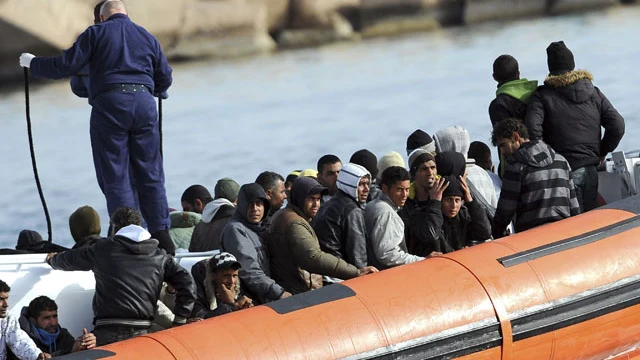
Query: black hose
[
  {"x": 33, "y": 154},
  {"x": 160, "y": 123}
]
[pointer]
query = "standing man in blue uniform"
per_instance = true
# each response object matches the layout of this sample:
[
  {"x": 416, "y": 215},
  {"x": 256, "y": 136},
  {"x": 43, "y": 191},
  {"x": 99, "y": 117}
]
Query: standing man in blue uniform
[{"x": 126, "y": 66}]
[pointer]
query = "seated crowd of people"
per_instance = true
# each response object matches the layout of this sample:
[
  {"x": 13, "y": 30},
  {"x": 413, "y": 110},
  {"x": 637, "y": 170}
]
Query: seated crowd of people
[{"x": 278, "y": 237}]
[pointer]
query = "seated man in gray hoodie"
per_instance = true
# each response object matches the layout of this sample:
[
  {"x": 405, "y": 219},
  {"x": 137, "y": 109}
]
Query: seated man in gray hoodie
[
  {"x": 386, "y": 246},
  {"x": 241, "y": 238},
  {"x": 339, "y": 223}
]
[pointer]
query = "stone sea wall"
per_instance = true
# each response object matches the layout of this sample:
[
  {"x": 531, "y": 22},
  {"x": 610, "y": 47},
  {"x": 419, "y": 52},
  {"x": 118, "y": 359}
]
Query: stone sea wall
[{"x": 190, "y": 29}]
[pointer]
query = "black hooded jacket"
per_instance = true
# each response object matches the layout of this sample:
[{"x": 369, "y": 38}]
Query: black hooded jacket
[
  {"x": 129, "y": 276},
  {"x": 567, "y": 112},
  {"x": 242, "y": 239}
]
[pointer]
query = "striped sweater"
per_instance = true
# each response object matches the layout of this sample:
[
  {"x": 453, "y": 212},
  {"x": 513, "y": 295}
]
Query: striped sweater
[{"x": 537, "y": 188}]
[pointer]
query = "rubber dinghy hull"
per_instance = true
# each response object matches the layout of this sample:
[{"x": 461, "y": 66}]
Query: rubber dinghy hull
[{"x": 567, "y": 290}]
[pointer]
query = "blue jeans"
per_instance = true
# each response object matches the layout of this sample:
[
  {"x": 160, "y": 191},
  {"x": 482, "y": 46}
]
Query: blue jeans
[{"x": 585, "y": 180}]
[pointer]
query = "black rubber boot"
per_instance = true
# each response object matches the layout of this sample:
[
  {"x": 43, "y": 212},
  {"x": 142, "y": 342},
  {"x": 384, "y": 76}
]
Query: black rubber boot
[{"x": 164, "y": 240}]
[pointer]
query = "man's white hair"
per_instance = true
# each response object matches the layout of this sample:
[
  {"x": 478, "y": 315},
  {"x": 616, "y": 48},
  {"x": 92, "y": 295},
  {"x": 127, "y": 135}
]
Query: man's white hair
[{"x": 110, "y": 5}]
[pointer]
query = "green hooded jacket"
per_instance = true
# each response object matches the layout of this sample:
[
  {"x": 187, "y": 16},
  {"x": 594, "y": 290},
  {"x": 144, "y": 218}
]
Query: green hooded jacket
[{"x": 520, "y": 89}]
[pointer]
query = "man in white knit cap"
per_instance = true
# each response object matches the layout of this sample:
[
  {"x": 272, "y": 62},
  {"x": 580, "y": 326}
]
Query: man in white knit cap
[{"x": 339, "y": 223}]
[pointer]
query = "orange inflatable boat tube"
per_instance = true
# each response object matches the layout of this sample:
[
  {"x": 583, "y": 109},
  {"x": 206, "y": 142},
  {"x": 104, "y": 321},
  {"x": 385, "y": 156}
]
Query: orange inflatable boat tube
[{"x": 566, "y": 290}]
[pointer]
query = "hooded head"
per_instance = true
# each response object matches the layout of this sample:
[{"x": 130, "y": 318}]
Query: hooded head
[
  {"x": 247, "y": 196},
  {"x": 367, "y": 159},
  {"x": 226, "y": 188},
  {"x": 454, "y": 188},
  {"x": 420, "y": 140},
  {"x": 84, "y": 222},
  {"x": 302, "y": 188},
  {"x": 452, "y": 197},
  {"x": 454, "y": 138},
  {"x": 559, "y": 58},
  {"x": 349, "y": 180},
  {"x": 450, "y": 163},
  {"x": 27, "y": 239}
]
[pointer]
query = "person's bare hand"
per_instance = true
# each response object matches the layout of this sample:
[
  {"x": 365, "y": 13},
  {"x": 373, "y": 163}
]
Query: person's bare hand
[
  {"x": 435, "y": 192},
  {"x": 285, "y": 294},
  {"x": 49, "y": 257},
  {"x": 244, "y": 302},
  {"x": 434, "y": 253},
  {"x": 465, "y": 188},
  {"x": 87, "y": 340},
  {"x": 367, "y": 270},
  {"x": 227, "y": 295},
  {"x": 44, "y": 355}
]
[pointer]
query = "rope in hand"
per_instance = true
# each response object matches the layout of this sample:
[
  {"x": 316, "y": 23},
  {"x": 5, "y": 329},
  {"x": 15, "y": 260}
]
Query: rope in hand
[{"x": 33, "y": 155}]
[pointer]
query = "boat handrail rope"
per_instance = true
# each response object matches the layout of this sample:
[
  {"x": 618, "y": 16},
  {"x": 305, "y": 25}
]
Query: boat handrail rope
[{"x": 33, "y": 155}]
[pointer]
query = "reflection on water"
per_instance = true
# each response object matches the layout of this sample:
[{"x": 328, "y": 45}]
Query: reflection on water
[{"x": 284, "y": 111}]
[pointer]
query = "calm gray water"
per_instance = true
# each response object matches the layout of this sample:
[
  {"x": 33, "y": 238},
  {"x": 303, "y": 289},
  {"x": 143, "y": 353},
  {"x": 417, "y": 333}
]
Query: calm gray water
[{"x": 284, "y": 111}]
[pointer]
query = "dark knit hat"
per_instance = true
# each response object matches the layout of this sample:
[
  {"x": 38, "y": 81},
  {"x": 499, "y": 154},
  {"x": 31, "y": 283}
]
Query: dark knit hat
[
  {"x": 367, "y": 159},
  {"x": 454, "y": 188},
  {"x": 27, "y": 239},
  {"x": 417, "y": 157},
  {"x": 450, "y": 163},
  {"x": 418, "y": 139},
  {"x": 559, "y": 58},
  {"x": 83, "y": 222},
  {"x": 227, "y": 188}
]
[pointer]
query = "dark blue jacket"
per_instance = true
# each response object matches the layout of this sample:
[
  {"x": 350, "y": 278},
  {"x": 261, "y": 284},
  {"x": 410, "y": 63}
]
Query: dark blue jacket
[{"x": 117, "y": 51}]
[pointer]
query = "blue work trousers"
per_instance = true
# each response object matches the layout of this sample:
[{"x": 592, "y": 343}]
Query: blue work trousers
[{"x": 126, "y": 149}]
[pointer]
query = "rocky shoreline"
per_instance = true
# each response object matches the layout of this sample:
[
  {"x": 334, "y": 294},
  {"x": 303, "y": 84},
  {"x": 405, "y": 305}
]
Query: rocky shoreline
[{"x": 196, "y": 29}]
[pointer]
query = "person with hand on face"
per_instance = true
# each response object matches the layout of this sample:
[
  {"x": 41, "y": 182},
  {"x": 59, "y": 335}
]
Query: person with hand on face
[
  {"x": 241, "y": 238},
  {"x": 126, "y": 67},
  {"x": 40, "y": 321},
  {"x": 463, "y": 224},
  {"x": 294, "y": 246},
  {"x": 12, "y": 336},
  {"x": 218, "y": 287},
  {"x": 421, "y": 212}
]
